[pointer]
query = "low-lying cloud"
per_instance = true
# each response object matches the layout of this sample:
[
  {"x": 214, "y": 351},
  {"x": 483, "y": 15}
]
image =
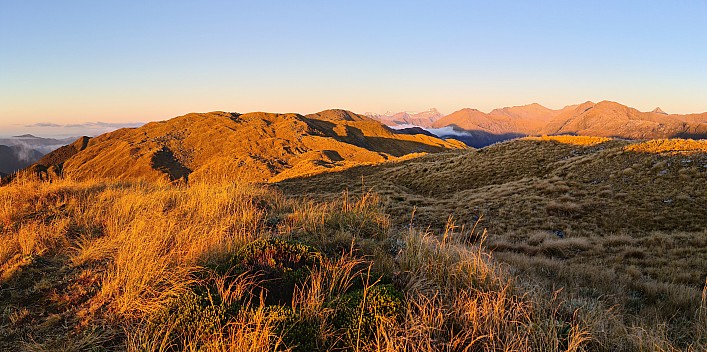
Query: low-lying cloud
[
  {"x": 448, "y": 131},
  {"x": 90, "y": 125}
]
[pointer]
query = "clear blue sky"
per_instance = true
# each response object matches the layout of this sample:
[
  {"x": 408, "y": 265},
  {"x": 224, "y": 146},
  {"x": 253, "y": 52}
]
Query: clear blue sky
[{"x": 124, "y": 61}]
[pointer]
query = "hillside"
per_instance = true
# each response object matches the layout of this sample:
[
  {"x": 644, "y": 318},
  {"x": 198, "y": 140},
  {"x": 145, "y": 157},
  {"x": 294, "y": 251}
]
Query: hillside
[
  {"x": 554, "y": 243},
  {"x": 614, "y": 223},
  {"x": 250, "y": 147},
  {"x": 606, "y": 119}
]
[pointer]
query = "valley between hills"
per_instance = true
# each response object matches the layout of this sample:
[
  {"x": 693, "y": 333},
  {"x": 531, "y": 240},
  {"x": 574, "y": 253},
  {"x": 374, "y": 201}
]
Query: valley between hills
[{"x": 580, "y": 229}]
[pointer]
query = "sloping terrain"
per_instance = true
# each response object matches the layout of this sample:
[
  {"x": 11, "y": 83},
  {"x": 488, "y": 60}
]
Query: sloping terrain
[
  {"x": 656, "y": 182},
  {"x": 618, "y": 223},
  {"x": 249, "y": 147},
  {"x": 592, "y": 244}
]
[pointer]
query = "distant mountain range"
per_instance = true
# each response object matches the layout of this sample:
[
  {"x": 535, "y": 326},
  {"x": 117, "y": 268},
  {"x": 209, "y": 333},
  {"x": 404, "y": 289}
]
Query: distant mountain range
[
  {"x": 255, "y": 146},
  {"x": 41, "y": 144},
  {"x": 268, "y": 147},
  {"x": 406, "y": 118},
  {"x": 605, "y": 119}
]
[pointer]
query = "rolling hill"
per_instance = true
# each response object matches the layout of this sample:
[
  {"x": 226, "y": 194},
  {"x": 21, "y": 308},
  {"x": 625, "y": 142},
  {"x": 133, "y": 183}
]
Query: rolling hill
[{"x": 252, "y": 147}]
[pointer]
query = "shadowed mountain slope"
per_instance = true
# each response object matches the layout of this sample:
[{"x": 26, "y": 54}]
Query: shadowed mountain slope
[{"x": 255, "y": 146}]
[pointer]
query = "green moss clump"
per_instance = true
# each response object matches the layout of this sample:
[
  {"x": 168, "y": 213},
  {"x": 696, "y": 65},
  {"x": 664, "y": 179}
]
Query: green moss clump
[
  {"x": 189, "y": 316},
  {"x": 298, "y": 333},
  {"x": 357, "y": 318},
  {"x": 281, "y": 265}
]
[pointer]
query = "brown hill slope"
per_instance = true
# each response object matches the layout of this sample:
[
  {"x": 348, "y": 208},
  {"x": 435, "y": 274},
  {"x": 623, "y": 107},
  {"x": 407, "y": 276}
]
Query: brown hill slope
[
  {"x": 254, "y": 147},
  {"x": 608, "y": 178}
]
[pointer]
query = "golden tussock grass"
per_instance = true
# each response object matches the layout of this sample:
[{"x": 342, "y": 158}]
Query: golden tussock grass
[
  {"x": 574, "y": 140},
  {"x": 593, "y": 258},
  {"x": 670, "y": 146},
  {"x": 93, "y": 264},
  {"x": 617, "y": 226}
]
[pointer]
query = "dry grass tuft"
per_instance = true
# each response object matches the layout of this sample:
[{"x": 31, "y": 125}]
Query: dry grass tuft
[
  {"x": 670, "y": 146},
  {"x": 573, "y": 140}
]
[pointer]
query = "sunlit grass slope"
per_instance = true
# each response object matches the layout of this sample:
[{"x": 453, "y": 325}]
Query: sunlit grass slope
[{"x": 147, "y": 266}]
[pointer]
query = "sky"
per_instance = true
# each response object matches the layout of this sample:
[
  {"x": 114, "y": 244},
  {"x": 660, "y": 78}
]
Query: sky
[{"x": 70, "y": 66}]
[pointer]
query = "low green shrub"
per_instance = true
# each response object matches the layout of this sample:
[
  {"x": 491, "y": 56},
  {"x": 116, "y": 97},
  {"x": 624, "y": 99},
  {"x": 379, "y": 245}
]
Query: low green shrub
[
  {"x": 298, "y": 333},
  {"x": 280, "y": 264},
  {"x": 191, "y": 316},
  {"x": 358, "y": 312}
]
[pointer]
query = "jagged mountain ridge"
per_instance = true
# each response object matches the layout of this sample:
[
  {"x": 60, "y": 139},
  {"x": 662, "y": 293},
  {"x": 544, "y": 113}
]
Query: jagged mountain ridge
[
  {"x": 255, "y": 146},
  {"x": 404, "y": 118},
  {"x": 605, "y": 119},
  {"x": 611, "y": 119}
]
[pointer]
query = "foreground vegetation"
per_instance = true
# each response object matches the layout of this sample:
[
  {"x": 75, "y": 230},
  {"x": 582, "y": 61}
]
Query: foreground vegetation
[
  {"x": 142, "y": 266},
  {"x": 149, "y": 266},
  {"x": 615, "y": 224}
]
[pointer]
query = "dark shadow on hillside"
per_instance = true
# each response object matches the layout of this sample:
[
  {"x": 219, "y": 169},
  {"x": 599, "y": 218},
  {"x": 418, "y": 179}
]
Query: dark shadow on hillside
[
  {"x": 356, "y": 136},
  {"x": 165, "y": 161},
  {"x": 688, "y": 135},
  {"x": 333, "y": 155}
]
